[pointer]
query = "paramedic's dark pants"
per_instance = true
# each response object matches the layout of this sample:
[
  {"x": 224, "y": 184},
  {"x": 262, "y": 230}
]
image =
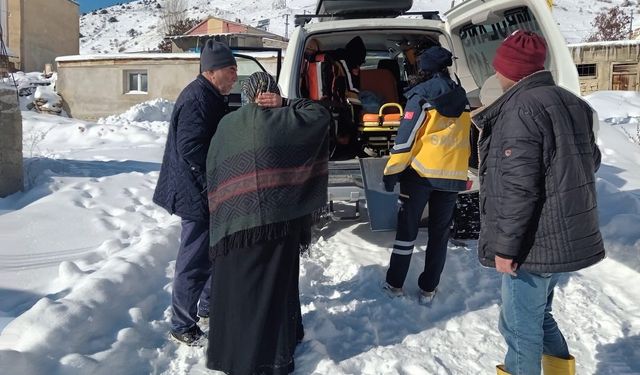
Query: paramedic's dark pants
[
  {"x": 192, "y": 279},
  {"x": 414, "y": 197}
]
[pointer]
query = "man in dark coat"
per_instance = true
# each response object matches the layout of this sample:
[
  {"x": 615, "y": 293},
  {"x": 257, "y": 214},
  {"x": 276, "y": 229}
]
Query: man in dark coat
[
  {"x": 181, "y": 188},
  {"x": 538, "y": 159}
]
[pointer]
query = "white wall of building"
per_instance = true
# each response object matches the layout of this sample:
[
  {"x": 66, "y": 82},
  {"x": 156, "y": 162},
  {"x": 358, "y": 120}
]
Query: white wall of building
[{"x": 4, "y": 14}]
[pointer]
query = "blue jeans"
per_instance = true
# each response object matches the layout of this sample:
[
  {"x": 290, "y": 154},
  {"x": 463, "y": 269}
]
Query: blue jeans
[
  {"x": 192, "y": 278},
  {"x": 526, "y": 322}
]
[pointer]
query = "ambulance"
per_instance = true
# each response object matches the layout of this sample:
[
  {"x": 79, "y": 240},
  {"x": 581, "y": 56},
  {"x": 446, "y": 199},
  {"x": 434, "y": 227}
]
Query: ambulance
[{"x": 394, "y": 36}]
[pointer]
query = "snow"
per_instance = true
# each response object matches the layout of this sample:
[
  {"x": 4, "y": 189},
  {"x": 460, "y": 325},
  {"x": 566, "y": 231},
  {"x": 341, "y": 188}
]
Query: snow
[
  {"x": 153, "y": 56},
  {"x": 129, "y": 56},
  {"x": 87, "y": 265},
  {"x": 139, "y": 26},
  {"x": 610, "y": 43}
]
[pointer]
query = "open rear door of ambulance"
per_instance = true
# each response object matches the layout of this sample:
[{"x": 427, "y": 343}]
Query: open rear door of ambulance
[
  {"x": 247, "y": 62},
  {"x": 477, "y": 27}
]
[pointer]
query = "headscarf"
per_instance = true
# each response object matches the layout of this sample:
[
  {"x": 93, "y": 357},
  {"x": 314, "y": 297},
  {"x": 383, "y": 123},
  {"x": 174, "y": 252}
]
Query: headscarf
[{"x": 257, "y": 83}]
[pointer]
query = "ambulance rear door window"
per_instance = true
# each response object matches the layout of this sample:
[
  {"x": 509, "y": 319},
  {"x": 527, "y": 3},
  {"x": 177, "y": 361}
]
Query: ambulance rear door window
[{"x": 480, "y": 41}]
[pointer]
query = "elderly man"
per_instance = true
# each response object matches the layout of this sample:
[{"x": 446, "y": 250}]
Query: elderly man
[
  {"x": 181, "y": 188},
  {"x": 538, "y": 159}
]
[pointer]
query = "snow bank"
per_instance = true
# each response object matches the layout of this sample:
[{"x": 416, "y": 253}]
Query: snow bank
[
  {"x": 615, "y": 104},
  {"x": 43, "y": 137},
  {"x": 32, "y": 83},
  {"x": 151, "y": 111}
]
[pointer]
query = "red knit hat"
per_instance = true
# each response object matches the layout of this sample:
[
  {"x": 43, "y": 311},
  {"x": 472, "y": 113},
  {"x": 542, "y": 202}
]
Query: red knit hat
[{"x": 521, "y": 54}]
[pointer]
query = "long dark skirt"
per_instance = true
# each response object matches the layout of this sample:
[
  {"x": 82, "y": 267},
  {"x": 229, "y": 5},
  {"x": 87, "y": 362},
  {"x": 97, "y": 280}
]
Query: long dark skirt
[{"x": 255, "y": 311}]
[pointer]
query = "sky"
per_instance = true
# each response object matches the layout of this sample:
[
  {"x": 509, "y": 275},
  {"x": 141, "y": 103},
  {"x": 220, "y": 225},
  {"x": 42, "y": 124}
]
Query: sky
[{"x": 89, "y": 5}]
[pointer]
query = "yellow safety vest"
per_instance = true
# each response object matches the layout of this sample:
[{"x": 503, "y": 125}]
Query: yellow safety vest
[{"x": 440, "y": 149}]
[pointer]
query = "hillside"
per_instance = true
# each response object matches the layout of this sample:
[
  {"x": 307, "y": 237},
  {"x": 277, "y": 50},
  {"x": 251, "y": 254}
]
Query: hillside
[{"x": 136, "y": 26}]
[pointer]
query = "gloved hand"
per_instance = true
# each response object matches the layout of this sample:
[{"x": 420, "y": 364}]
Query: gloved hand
[{"x": 390, "y": 181}]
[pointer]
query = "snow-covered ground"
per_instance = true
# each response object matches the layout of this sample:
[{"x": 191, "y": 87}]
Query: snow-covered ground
[
  {"x": 86, "y": 265},
  {"x": 137, "y": 26}
]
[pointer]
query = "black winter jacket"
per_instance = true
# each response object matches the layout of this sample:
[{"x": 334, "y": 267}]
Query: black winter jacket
[
  {"x": 538, "y": 159},
  {"x": 181, "y": 185}
]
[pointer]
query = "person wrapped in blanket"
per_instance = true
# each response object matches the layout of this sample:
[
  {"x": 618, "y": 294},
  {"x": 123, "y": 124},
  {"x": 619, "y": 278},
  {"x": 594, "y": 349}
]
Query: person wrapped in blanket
[
  {"x": 430, "y": 160},
  {"x": 267, "y": 172}
]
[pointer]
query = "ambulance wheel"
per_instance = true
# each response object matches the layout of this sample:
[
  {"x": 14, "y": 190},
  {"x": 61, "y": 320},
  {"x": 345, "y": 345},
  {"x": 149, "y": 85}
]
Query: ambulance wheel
[{"x": 466, "y": 217}]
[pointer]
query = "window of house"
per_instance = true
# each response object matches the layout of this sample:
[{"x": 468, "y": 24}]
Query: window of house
[
  {"x": 586, "y": 70},
  {"x": 136, "y": 82},
  {"x": 625, "y": 68}
]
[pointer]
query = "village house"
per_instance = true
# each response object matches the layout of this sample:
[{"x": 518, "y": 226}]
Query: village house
[
  {"x": 607, "y": 65},
  {"x": 35, "y": 32},
  {"x": 94, "y": 86},
  {"x": 234, "y": 34}
]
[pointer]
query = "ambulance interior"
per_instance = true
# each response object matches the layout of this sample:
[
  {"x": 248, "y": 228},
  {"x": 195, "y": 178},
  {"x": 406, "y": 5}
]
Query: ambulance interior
[{"x": 391, "y": 67}]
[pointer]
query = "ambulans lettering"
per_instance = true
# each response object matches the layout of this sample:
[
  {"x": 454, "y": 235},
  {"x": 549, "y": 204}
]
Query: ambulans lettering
[
  {"x": 513, "y": 20},
  {"x": 480, "y": 41}
]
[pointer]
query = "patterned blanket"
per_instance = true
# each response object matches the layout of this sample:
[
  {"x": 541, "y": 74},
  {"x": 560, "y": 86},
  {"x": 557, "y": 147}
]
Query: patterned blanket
[{"x": 265, "y": 168}]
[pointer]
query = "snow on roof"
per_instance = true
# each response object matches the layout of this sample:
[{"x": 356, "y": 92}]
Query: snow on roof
[
  {"x": 154, "y": 56},
  {"x": 129, "y": 56},
  {"x": 631, "y": 42},
  {"x": 265, "y": 35}
]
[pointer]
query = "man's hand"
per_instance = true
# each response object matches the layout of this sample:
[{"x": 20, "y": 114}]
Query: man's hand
[
  {"x": 506, "y": 266},
  {"x": 269, "y": 99}
]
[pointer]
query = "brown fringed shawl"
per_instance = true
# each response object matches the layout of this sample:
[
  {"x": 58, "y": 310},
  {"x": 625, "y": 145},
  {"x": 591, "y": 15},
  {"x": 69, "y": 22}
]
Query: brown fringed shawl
[{"x": 265, "y": 168}]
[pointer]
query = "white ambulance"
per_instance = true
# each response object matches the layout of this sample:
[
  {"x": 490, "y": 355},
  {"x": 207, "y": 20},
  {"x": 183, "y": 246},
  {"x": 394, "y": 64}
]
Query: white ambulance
[{"x": 393, "y": 37}]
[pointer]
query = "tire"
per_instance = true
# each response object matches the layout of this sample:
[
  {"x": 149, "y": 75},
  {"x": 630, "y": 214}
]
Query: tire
[{"x": 466, "y": 217}]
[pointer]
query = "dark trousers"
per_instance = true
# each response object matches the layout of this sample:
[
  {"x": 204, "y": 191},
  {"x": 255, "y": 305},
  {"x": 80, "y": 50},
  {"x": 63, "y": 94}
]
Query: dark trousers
[
  {"x": 414, "y": 195},
  {"x": 192, "y": 274},
  {"x": 256, "y": 326}
]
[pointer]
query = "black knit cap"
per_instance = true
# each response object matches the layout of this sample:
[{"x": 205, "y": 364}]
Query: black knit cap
[
  {"x": 434, "y": 59},
  {"x": 216, "y": 55},
  {"x": 356, "y": 52}
]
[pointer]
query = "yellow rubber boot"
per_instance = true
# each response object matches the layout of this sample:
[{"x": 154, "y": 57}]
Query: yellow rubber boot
[
  {"x": 500, "y": 370},
  {"x": 557, "y": 366}
]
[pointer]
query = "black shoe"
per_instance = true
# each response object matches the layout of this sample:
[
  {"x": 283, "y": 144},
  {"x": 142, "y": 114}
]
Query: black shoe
[
  {"x": 193, "y": 337},
  {"x": 299, "y": 333}
]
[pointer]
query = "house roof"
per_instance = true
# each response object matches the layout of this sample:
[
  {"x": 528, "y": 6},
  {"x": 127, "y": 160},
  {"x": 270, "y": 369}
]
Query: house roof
[
  {"x": 129, "y": 56},
  {"x": 153, "y": 56},
  {"x": 270, "y": 36},
  {"x": 631, "y": 42},
  {"x": 253, "y": 30}
]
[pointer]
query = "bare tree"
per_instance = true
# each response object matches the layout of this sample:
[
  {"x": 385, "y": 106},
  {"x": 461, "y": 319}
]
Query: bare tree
[
  {"x": 178, "y": 28},
  {"x": 172, "y": 13},
  {"x": 610, "y": 24}
]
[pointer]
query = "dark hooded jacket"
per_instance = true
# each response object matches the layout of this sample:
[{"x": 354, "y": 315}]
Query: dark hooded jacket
[
  {"x": 538, "y": 159},
  {"x": 181, "y": 187},
  {"x": 438, "y": 96}
]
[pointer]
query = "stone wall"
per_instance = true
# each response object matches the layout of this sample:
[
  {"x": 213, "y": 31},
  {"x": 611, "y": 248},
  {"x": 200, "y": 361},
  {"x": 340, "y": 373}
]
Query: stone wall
[
  {"x": 606, "y": 56},
  {"x": 11, "y": 173}
]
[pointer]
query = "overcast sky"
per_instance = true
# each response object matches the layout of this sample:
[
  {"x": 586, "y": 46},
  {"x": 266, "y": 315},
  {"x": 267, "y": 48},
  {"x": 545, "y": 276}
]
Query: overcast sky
[{"x": 89, "y": 5}]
